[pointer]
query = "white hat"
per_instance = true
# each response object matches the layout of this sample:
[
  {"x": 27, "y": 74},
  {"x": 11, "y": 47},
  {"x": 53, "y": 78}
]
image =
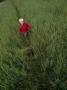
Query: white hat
[{"x": 21, "y": 20}]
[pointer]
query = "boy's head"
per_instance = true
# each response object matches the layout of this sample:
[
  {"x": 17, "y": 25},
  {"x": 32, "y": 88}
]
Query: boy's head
[{"x": 21, "y": 20}]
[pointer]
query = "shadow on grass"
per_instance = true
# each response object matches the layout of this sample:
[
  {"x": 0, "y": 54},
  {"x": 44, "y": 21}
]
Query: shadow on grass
[{"x": 2, "y": 1}]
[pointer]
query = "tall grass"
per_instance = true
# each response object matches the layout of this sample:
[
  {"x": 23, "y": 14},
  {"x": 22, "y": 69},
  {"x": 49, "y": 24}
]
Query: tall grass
[{"x": 44, "y": 67}]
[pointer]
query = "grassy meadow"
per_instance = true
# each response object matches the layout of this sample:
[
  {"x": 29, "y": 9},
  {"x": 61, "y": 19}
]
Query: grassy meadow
[{"x": 44, "y": 66}]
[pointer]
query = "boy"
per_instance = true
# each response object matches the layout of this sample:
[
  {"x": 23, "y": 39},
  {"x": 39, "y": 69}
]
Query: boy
[{"x": 24, "y": 27}]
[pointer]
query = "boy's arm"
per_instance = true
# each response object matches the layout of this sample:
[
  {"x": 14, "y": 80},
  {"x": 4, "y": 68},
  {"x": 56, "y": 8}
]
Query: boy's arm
[{"x": 30, "y": 26}]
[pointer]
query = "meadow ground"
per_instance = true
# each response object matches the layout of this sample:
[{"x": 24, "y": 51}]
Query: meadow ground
[{"x": 44, "y": 67}]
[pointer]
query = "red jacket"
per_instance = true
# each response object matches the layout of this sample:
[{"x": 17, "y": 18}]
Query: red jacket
[{"x": 24, "y": 27}]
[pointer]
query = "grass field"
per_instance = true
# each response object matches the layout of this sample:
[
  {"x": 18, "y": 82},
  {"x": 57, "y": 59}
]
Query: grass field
[{"x": 44, "y": 67}]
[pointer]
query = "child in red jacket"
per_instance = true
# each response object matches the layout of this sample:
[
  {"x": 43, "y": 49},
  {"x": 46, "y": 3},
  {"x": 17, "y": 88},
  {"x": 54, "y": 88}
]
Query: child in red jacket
[{"x": 24, "y": 27}]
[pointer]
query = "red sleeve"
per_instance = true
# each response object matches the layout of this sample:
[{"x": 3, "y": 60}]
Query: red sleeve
[{"x": 29, "y": 25}]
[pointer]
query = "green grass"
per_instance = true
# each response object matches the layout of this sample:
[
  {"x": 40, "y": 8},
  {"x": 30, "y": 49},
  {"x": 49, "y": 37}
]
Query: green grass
[{"x": 44, "y": 67}]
